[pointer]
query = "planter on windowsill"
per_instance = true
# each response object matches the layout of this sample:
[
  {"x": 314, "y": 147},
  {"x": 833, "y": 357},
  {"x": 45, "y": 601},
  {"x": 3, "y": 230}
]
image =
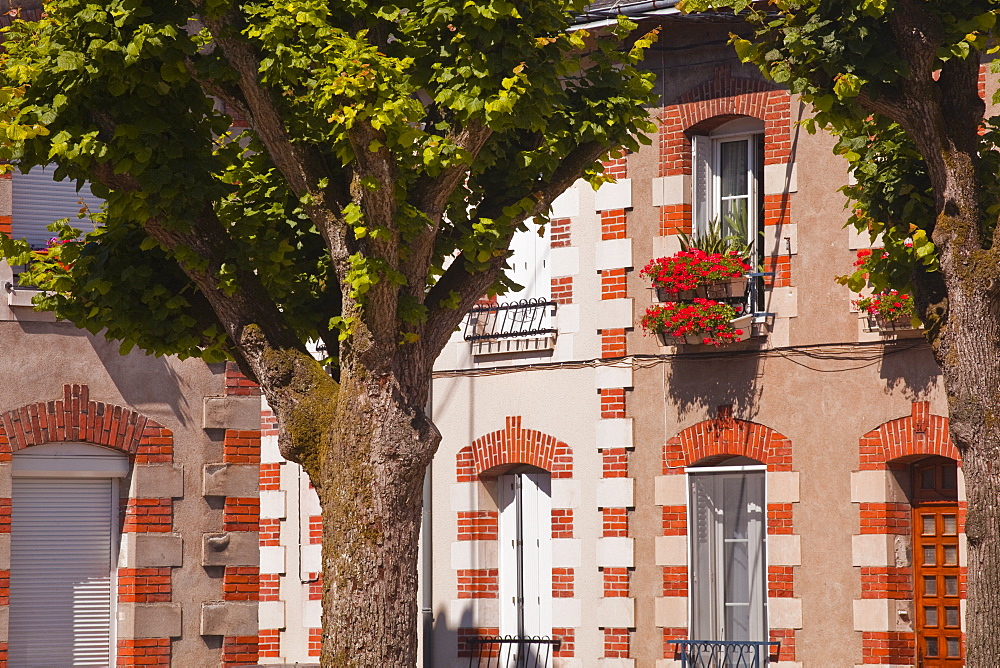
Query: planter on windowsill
[
  {"x": 741, "y": 324},
  {"x": 733, "y": 288}
]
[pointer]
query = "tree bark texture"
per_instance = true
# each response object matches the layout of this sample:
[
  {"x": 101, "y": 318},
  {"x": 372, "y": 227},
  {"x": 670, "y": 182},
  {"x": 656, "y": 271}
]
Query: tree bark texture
[{"x": 370, "y": 490}]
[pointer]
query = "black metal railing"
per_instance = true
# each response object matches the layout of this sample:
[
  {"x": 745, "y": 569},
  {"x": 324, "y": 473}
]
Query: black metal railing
[
  {"x": 527, "y": 317},
  {"x": 512, "y": 651},
  {"x": 725, "y": 653},
  {"x": 755, "y": 294}
]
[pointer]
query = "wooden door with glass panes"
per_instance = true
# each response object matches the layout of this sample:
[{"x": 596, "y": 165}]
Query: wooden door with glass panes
[{"x": 935, "y": 563}]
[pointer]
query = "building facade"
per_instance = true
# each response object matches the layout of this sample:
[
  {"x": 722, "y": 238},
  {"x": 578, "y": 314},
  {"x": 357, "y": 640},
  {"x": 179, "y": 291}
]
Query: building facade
[{"x": 797, "y": 488}]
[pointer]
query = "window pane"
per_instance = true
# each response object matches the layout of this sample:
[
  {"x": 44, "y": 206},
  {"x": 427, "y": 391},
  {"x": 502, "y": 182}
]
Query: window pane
[
  {"x": 930, "y": 616},
  {"x": 927, "y": 479},
  {"x": 950, "y": 525},
  {"x": 951, "y": 555},
  {"x": 928, "y": 528},
  {"x": 932, "y": 646},
  {"x": 952, "y": 644},
  {"x": 951, "y": 616},
  {"x": 734, "y": 211},
  {"x": 733, "y": 168},
  {"x": 930, "y": 557},
  {"x": 949, "y": 477},
  {"x": 930, "y": 585},
  {"x": 951, "y": 585}
]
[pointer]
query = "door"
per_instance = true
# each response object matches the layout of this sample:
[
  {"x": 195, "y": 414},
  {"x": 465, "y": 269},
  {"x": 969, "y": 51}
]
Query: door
[
  {"x": 61, "y": 589},
  {"x": 936, "y": 566}
]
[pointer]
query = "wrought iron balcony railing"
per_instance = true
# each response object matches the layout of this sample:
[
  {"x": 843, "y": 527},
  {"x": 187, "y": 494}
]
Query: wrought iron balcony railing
[
  {"x": 519, "y": 326},
  {"x": 513, "y": 651},
  {"x": 725, "y": 653}
]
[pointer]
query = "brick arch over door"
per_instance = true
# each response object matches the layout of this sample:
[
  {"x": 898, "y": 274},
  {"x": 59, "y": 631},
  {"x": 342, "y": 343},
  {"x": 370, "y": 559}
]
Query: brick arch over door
[
  {"x": 514, "y": 445},
  {"x": 77, "y": 418},
  {"x": 729, "y": 436},
  {"x": 919, "y": 433}
]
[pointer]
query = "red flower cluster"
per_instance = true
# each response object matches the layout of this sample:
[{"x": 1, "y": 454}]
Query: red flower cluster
[
  {"x": 705, "y": 317},
  {"x": 889, "y": 305},
  {"x": 686, "y": 270}
]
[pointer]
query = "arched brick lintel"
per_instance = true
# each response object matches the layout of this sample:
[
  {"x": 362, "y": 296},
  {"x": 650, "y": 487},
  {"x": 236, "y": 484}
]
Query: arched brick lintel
[
  {"x": 75, "y": 418},
  {"x": 514, "y": 445},
  {"x": 919, "y": 433},
  {"x": 726, "y": 435}
]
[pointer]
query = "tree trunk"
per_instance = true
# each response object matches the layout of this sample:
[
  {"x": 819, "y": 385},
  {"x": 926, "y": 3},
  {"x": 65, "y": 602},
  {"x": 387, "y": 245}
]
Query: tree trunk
[
  {"x": 370, "y": 492},
  {"x": 968, "y": 356}
]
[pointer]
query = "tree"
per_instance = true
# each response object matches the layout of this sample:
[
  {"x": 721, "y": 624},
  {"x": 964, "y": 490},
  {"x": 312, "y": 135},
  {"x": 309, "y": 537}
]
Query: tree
[
  {"x": 344, "y": 172},
  {"x": 897, "y": 81}
]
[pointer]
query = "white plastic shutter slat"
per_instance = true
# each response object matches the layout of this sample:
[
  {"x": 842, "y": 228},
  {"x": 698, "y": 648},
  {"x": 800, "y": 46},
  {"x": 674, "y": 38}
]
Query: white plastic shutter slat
[
  {"x": 39, "y": 200},
  {"x": 60, "y": 585}
]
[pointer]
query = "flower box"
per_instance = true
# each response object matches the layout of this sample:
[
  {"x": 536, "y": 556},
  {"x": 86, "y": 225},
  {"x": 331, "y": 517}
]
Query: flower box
[
  {"x": 729, "y": 289},
  {"x": 899, "y": 323},
  {"x": 733, "y": 330},
  {"x": 693, "y": 273}
]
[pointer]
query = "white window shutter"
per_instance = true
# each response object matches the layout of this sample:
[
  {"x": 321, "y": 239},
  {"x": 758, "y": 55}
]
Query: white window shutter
[
  {"x": 38, "y": 200},
  {"x": 701, "y": 182},
  {"x": 60, "y": 587}
]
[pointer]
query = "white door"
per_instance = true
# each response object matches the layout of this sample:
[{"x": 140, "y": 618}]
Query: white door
[
  {"x": 525, "y": 557},
  {"x": 62, "y": 540}
]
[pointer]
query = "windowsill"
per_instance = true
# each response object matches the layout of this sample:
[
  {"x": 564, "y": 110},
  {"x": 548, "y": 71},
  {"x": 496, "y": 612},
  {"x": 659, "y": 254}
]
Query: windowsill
[
  {"x": 20, "y": 296},
  {"x": 507, "y": 346}
]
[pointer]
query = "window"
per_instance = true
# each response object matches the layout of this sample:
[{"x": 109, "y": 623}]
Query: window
[
  {"x": 64, "y": 538},
  {"x": 936, "y": 569},
  {"x": 727, "y": 536},
  {"x": 38, "y": 200},
  {"x": 530, "y": 264},
  {"x": 728, "y": 177},
  {"x": 525, "y": 557}
]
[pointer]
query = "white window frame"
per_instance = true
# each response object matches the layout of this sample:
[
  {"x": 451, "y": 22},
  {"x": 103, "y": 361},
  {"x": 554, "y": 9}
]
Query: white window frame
[
  {"x": 761, "y": 633},
  {"x": 706, "y": 181},
  {"x": 530, "y": 264}
]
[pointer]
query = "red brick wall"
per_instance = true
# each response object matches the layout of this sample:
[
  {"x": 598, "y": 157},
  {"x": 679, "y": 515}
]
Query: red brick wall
[
  {"x": 478, "y": 525},
  {"x": 478, "y": 583},
  {"x": 147, "y": 652},
  {"x": 515, "y": 445},
  {"x": 144, "y": 585}
]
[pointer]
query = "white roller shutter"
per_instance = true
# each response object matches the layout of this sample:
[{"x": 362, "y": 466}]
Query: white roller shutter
[
  {"x": 60, "y": 584},
  {"x": 39, "y": 200}
]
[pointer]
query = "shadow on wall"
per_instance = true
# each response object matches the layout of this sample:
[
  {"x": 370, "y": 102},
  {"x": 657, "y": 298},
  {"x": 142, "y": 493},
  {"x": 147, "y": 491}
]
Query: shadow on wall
[
  {"x": 701, "y": 382},
  {"x": 446, "y": 638},
  {"x": 908, "y": 367}
]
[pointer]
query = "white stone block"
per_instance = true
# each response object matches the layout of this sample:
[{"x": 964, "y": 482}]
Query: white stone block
[
  {"x": 870, "y": 486},
  {"x": 272, "y": 560},
  {"x": 466, "y": 554},
  {"x": 671, "y": 612},
  {"x": 670, "y": 190},
  {"x": 269, "y": 453},
  {"x": 615, "y": 552},
  {"x": 784, "y": 550},
  {"x": 670, "y": 490},
  {"x": 309, "y": 500},
  {"x": 666, "y": 246},
  {"x": 784, "y": 303},
  {"x": 564, "y": 261},
  {"x": 567, "y": 552},
  {"x": 312, "y": 614},
  {"x": 312, "y": 560},
  {"x": 872, "y": 549},
  {"x": 567, "y": 204},
  {"x": 782, "y": 487},
  {"x": 614, "y": 313},
  {"x": 615, "y": 493},
  {"x": 605, "y": 662},
  {"x": 567, "y": 320},
  {"x": 668, "y": 663},
  {"x": 963, "y": 549},
  {"x": 961, "y": 486},
  {"x": 473, "y": 612},
  {"x": 567, "y": 613},
  {"x": 613, "y": 376},
  {"x": 874, "y": 614},
  {"x": 557, "y": 662},
  {"x": 464, "y": 496},
  {"x": 671, "y": 551},
  {"x": 613, "y": 254},
  {"x": 565, "y": 493},
  {"x": 780, "y": 239},
  {"x": 616, "y": 612},
  {"x": 272, "y": 504},
  {"x": 856, "y": 239},
  {"x": 781, "y": 178},
  {"x": 784, "y": 613},
  {"x": 271, "y": 615},
  {"x": 614, "y": 433},
  {"x": 614, "y": 196}
]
